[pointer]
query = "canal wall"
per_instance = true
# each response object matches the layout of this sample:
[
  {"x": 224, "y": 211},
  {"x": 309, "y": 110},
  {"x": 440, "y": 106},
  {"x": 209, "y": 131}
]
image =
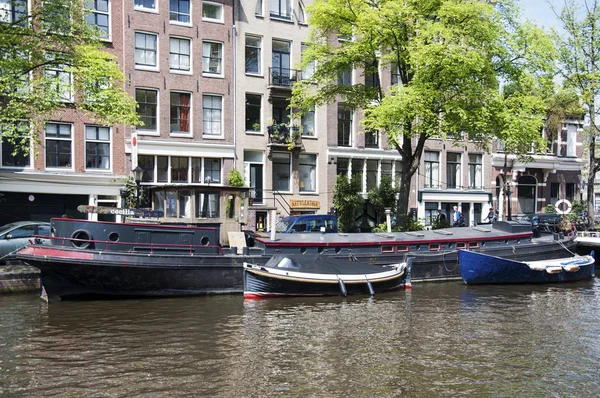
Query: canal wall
[{"x": 19, "y": 278}]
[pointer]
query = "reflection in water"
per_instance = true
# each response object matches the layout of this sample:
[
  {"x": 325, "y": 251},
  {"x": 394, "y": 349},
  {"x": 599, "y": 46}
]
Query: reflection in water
[{"x": 438, "y": 339}]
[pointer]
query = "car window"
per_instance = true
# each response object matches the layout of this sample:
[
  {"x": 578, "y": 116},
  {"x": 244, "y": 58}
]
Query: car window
[
  {"x": 300, "y": 226},
  {"x": 44, "y": 230},
  {"x": 23, "y": 232}
]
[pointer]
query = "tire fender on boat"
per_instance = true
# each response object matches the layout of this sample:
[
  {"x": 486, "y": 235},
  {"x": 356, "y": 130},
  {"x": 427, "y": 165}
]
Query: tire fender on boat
[
  {"x": 81, "y": 239},
  {"x": 561, "y": 211}
]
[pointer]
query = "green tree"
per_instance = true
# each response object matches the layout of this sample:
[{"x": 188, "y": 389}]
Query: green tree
[
  {"x": 347, "y": 201},
  {"x": 451, "y": 58},
  {"x": 383, "y": 196},
  {"x": 41, "y": 49},
  {"x": 579, "y": 49}
]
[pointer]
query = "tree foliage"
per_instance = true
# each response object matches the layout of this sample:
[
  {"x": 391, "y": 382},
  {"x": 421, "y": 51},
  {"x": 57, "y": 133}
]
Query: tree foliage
[
  {"x": 451, "y": 57},
  {"x": 383, "y": 196},
  {"x": 579, "y": 50},
  {"x": 41, "y": 48},
  {"x": 347, "y": 201}
]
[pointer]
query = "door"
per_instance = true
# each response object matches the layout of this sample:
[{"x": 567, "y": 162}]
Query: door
[
  {"x": 256, "y": 182},
  {"x": 281, "y": 63}
]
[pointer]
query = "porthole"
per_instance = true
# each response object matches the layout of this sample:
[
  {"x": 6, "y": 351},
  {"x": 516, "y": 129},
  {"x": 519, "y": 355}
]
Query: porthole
[
  {"x": 320, "y": 250},
  {"x": 113, "y": 237},
  {"x": 303, "y": 250},
  {"x": 338, "y": 250},
  {"x": 204, "y": 241}
]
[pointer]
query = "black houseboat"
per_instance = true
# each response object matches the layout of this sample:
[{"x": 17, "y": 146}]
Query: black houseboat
[{"x": 133, "y": 259}]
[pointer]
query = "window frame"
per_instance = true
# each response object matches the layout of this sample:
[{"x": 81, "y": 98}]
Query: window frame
[
  {"x": 179, "y": 117},
  {"x": 180, "y": 55},
  {"x": 25, "y": 158},
  {"x": 431, "y": 169},
  {"x": 56, "y": 73},
  {"x": 144, "y": 129},
  {"x": 95, "y": 12},
  {"x": 142, "y": 7},
  {"x": 98, "y": 141},
  {"x": 146, "y": 66},
  {"x": 279, "y": 156},
  {"x": 215, "y": 20},
  {"x": 210, "y": 58},
  {"x": 345, "y": 122},
  {"x": 313, "y": 176},
  {"x": 259, "y": 50},
  {"x": 178, "y": 13},
  {"x": 259, "y": 106},
  {"x": 204, "y": 121},
  {"x": 475, "y": 176},
  {"x": 58, "y": 153}
]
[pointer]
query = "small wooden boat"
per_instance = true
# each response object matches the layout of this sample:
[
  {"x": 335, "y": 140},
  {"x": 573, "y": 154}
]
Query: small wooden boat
[
  {"x": 479, "y": 268},
  {"x": 289, "y": 275}
]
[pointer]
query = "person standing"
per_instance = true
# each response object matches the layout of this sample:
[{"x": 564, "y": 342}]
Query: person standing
[
  {"x": 455, "y": 216},
  {"x": 441, "y": 217}
]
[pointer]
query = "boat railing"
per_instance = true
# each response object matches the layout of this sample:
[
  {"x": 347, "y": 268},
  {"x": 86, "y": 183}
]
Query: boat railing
[
  {"x": 150, "y": 248},
  {"x": 588, "y": 234}
]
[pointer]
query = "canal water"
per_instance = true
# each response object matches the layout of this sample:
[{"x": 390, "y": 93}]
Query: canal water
[{"x": 440, "y": 339}]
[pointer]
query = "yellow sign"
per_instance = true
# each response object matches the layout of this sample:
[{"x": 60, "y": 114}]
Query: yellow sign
[{"x": 304, "y": 204}]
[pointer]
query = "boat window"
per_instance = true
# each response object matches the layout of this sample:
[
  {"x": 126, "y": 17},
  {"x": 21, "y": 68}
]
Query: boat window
[
  {"x": 517, "y": 241},
  {"x": 473, "y": 245},
  {"x": 461, "y": 245},
  {"x": 449, "y": 245},
  {"x": 283, "y": 225},
  {"x": 113, "y": 237},
  {"x": 204, "y": 241},
  {"x": 320, "y": 250},
  {"x": 482, "y": 244},
  {"x": 338, "y": 250},
  {"x": 387, "y": 249},
  {"x": 302, "y": 250},
  {"x": 402, "y": 248},
  {"x": 418, "y": 247},
  {"x": 434, "y": 247}
]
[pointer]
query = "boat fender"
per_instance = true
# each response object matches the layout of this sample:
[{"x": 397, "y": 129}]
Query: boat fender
[
  {"x": 370, "y": 286},
  {"x": 81, "y": 239},
  {"x": 343, "y": 287}
]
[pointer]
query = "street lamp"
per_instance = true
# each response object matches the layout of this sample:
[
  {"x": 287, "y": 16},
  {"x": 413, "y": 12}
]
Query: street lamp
[
  {"x": 138, "y": 173},
  {"x": 508, "y": 193}
]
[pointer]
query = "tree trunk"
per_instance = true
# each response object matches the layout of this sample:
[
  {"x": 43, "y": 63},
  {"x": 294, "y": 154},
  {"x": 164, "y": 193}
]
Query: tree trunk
[
  {"x": 410, "y": 164},
  {"x": 592, "y": 167}
]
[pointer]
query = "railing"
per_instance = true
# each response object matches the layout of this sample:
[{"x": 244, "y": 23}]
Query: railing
[
  {"x": 279, "y": 200},
  {"x": 283, "y": 77}
]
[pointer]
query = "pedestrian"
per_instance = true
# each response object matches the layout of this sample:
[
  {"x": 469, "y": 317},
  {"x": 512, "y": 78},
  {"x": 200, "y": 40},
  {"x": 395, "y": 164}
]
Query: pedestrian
[
  {"x": 491, "y": 217},
  {"x": 461, "y": 220},
  {"x": 455, "y": 216},
  {"x": 441, "y": 216}
]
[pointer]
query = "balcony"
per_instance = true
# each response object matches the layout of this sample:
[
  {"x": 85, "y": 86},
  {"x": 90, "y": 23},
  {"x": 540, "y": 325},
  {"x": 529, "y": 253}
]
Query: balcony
[
  {"x": 283, "y": 77},
  {"x": 284, "y": 138}
]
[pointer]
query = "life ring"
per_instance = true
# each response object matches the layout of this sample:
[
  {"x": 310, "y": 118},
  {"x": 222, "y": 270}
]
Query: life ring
[
  {"x": 559, "y": 210},
  {"x": 81, "y": 239}
]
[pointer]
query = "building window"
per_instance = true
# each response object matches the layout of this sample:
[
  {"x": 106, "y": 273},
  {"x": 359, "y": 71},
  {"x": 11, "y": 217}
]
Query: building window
[
  {"x": 97, "y": 14},
  {"x": 432, "y": 169},
  {"x": 179, "y": 169},
  {"x": 212, "y": 11},
  {"x": 207, "y": 205},
  {"x": 307, "y": 171},
  {"x": 180, "y": 112},
  {"x": 341, "y": 167},
  {"x": 345, "y": 77},
  {"x": 147, "y": 4},
  {"x": 253, "y": 112},
  {"x": 430, "y": 212},
  {"x": 58, "y": 145},
  {"x": 372, "y": 74},
  {"x": 59, "y": 80},
  {"x": 395, "y": 73},
  {"x": 97, "y": 147},
  {"x": 308, "y": 123},
  {"x": 212, "y": 109},
  {"x": 56, "y": 16},
  {"x": 147, "y": 107},
  {"x": 12, "y": 155},
  {"x": 253, "y": 54},
  {"x": 344, "y": 125},
  {"x": 13, "y": 12},
  {"x": 570, "y": 192},
  {"x": 146, "y": 162},
  {"x": 452, "y": 170},
  {"x": 554, "y": 191},
  {"x": 179, "y": 11},
  {"x": 281, "y": 9},
  {"x": 357, "y": 170},
  {"x": 386, "y": 168},
  {"x": 281, "y": 63},
  {"x": 372, "y": 139},
  {"x": 372, "y": 168},
  {"x": 212, "y": 57},
  {"x": 212, "y": 170},
  {"x": 281, "y": 112},
  {"x": 179, "y": 54},
  {"x": 475, "y": 172},
  {"x": 309, "y": 69},
  {"x": 145, "y": 49},
  {"x": 282, "y": 169},
  {"x": 162, "y": 169}
]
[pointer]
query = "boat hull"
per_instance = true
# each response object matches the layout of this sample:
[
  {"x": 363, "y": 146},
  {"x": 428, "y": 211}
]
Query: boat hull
[
  {"x": 478, "y": 268},
  {"x": 329, "y": 278},
  {"x": 70, "y": 274}
]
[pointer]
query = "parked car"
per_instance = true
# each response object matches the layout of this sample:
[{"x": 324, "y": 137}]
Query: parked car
[
  {"x": 308, "y": 223},
  {"x": 18, "y": 234}
]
